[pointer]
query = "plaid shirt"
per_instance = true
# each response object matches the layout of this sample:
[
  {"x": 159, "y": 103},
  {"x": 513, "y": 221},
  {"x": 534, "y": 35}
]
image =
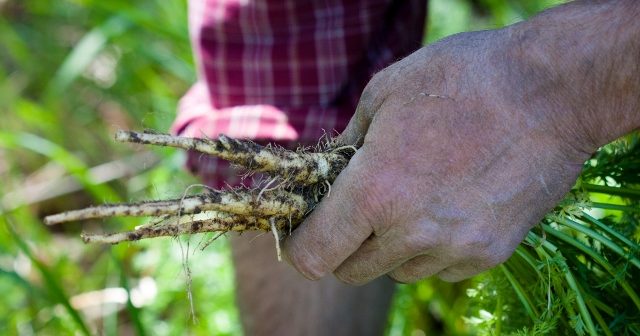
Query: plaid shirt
[{"x": 287, "y": 70}]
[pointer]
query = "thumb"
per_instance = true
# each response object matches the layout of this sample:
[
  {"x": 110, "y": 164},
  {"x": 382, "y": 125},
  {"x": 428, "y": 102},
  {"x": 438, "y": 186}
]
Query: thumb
[
  {"x": 334, "y": 230},
  {"x": 370, "y": 101},
  {"x": 337, "y": 228}
]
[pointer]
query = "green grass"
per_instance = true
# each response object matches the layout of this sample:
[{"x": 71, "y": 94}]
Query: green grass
[{"x": 71, "y": 73}]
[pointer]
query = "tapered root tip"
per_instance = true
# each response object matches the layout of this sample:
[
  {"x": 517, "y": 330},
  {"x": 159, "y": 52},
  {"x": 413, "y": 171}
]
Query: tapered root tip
[
  {"x": 113, "y": 238},
  {"x": 82, "y": 214},
  {"x": 125, "y": 136},
  {"x": 53, "y": 219}
]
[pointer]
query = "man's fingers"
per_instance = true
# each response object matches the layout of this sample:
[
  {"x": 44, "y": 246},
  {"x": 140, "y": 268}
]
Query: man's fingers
[
  {"x": 371, "y": 99},
  {"x": 339, "y": 224},
  {"x": 486, "y": 259},
  {"x": 334, "y": 230},
  {"x": 374, "y": 258},
  {"x": 380, "y": 255},
  {"x": 460, "y": 272},
  {"x": 355, "y": 131},
  {"x": 420, "y": 267}
]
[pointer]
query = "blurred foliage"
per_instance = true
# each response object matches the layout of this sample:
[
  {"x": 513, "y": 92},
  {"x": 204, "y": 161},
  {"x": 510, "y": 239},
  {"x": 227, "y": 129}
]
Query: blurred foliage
[{"x": 73, "y": 71}]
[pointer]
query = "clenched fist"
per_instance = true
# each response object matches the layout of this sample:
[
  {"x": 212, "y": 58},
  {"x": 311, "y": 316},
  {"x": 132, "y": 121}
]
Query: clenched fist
[{"x": 467, "y": 143}]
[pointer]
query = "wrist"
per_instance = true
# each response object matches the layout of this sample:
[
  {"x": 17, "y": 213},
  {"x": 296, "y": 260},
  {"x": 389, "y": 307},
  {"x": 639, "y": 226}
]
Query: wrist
[{"x": 579, "y": 70}]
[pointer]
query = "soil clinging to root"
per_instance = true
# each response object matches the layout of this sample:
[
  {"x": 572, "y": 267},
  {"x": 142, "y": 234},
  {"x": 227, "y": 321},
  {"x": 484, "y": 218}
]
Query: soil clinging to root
[{"x": 297, "y": 182}]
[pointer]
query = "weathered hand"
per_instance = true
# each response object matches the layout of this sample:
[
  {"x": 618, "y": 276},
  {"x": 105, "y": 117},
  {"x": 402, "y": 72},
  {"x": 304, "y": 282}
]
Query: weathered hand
[
  {"x": 465, "y": 147},
  {"x": 450, "y": 177}
]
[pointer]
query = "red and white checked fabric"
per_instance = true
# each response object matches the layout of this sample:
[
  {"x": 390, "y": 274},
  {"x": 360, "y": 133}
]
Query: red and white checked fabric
[{"x": 287, "y": 70}]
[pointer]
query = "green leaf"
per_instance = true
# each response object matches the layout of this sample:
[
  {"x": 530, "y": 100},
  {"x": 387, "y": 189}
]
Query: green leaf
[
  {"x": 83, "y": 53},
  {"x": 50, "y": 279}
]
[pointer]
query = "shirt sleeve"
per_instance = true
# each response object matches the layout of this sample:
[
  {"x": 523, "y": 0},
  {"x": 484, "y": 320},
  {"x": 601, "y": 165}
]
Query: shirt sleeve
[{"x": 289, "y": 70}]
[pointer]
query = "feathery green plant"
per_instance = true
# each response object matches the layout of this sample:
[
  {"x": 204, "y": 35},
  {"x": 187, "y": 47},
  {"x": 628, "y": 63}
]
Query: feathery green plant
[{"x": 577, "y": 271}]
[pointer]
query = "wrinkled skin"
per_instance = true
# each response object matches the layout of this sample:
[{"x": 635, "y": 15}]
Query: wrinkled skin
[
  {"x": 466, "y": 144},
  {"x": 448, "y": 179}
]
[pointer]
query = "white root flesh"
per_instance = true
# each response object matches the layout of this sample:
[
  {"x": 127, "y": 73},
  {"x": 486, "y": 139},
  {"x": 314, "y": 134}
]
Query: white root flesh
[{"x": 276, "y": 237}]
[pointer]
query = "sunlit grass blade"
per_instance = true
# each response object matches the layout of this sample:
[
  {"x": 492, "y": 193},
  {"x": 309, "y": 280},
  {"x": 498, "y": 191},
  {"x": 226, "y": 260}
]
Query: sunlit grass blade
[
  {"x": 602, "y": 239},
  {"x": 615, "y": 191},
  {"x": 596, "y": 314},
  {"x": 582, "y": 307},
  {"x": 22, "y": 282},
  {"x": 48, "y": 277},
  {"x": 526, "y": 301},
  {"x": 597, "y": 257},
  {"x": 83, "y": 53},
  {"x": 70, "y": 162},
  {"x": 168, "y": 28},
  {"x": 528, "y": 258},
  {"x": 133, "y": 311},
  {"x": 609, "y": 206},
  {"x": 611, "y": 231},
  {"x": 14, "y": 45}
]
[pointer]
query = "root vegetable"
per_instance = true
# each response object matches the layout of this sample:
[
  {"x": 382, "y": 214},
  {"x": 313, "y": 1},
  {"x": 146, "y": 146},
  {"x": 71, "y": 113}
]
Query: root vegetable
[
  {"x": 243, "y": 202},
  {"x": 302, "y": 168},
  {"x": 190, "y": 224},
  {"x": 301, "y": 179}
]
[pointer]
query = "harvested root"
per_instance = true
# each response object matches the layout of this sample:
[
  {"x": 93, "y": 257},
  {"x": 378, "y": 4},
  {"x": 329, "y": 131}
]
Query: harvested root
[
  {"x": 191, "y": 224},
  {"x": 301, "y": 179},
  {"x": 245, "y": 202},
  {"x": 300, "y": 168}
]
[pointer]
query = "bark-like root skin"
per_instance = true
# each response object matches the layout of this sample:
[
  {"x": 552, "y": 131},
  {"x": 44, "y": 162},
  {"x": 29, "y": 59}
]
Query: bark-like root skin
[
  {"x": 190, "y": 224},
  {"x": 301, "y": 168},
  {"x": 299, "y": 180},
  {"x": 243, "y": 202}
]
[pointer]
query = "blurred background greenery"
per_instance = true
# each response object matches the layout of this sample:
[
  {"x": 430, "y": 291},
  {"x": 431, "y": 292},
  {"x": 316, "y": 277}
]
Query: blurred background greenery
[{"x": 72, "y": 72}]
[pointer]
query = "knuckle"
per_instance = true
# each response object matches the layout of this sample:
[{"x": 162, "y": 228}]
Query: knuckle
[
  {"x": 307, "y": 269},
  {"x": 403, "y": 276},
  {"x": 459, "y": 273},
  {"x": 372, "y": 94},
  {"x": 377, "y": 81},
  {"x": 474, "y": 241},
  {"x": 420, "y": 240},
  {"x": 349, "y": 278},
  {"x": 416, "y": 269},
  {"x": 372, "y": 202},
  {"x": 449, "y": 277},
  {"x": 309, "y": 266},
  {"x": 366, "y": 99}
]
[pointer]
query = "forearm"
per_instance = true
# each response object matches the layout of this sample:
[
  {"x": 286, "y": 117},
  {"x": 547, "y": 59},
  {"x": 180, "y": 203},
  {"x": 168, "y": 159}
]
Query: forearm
[{"x": 583, "y": 59}]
